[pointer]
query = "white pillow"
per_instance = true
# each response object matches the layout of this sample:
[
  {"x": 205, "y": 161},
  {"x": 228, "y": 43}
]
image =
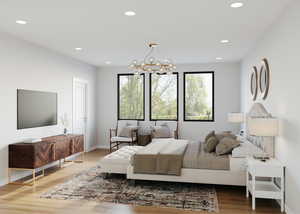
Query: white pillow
[
  {"x": 162, "y": 131},
  {"x": 246, "y": 149}
]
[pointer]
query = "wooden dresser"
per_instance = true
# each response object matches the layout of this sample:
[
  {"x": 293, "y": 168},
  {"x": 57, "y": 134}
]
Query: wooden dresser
[{"x": 30, "y": 156}]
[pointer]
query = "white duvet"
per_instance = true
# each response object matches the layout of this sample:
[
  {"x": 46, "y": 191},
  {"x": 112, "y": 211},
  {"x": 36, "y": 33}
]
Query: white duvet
[{"x": 246, "y": 149}]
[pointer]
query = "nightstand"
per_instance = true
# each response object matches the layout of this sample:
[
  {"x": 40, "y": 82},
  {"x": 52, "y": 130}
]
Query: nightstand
[{"x": 271, "y": 169}]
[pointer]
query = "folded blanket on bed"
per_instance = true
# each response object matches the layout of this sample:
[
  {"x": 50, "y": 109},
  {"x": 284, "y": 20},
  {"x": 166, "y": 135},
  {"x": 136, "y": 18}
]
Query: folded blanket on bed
[
  {"x": 196, "y": 158},
  {"x": 163, "y": 157}
]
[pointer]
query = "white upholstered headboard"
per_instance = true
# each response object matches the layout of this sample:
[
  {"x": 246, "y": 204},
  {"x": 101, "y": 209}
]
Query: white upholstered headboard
[{"x": 258, "y": 110}]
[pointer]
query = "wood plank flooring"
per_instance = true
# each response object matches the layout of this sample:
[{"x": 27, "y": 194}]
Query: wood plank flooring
[{"x": 25, "y": 200}]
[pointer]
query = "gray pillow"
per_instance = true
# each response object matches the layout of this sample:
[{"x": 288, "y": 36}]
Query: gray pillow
[
  {"x": 226, "y": 145},
  {"x": 127, "y": 131},
  {"x": 210, "y": 134},
  {"x": 210, "y": 145},
  {"x": 221, "y": 135},
  {"x": 162, "y": 131}
]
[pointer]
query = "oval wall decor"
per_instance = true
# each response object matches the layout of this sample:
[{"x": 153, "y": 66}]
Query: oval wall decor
[
  {"x": 254, "y": 83},
  {"x": 264, "y": 78}
]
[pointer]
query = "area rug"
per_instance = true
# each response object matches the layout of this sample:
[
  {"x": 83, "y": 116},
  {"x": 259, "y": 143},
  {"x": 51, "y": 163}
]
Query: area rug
[{"x": 90, "y": 185}]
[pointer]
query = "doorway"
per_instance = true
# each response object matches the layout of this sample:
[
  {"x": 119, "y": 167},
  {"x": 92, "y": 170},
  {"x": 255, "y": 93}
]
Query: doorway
[{"x": 80, "y": 110}]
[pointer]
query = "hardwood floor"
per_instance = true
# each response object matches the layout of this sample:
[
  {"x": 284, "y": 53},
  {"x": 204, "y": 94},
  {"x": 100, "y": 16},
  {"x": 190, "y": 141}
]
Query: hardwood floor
[{"x": 23, "y": 200}]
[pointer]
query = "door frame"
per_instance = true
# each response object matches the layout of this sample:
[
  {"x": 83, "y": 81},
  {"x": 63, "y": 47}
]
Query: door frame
[{"x": 80, "y": 80}]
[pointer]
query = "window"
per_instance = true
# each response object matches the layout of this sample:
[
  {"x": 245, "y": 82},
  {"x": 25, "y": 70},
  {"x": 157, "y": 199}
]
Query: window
[
  {"x": 131, "y": 97},
  {"x": 198, "y": 96},
  {"x": 164, "y": 97}
]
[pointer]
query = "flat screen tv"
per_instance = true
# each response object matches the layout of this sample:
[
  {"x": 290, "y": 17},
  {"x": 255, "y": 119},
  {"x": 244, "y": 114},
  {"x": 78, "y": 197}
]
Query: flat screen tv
[{"x": 36, "y": 109}]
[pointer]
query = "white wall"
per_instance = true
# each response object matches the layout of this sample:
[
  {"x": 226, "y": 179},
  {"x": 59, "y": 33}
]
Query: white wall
[
  {"x": 27, "y": 66},
  {"x": 227, "y": 99},
  {"x": 281, "y": 45}
]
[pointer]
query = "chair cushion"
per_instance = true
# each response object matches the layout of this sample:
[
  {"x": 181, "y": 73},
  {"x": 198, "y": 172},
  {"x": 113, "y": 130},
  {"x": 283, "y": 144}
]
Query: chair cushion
[
  {"x": 124, "y": 123},
  {"x": 122, "y": 139},
  {"x": 127, "y": 131}
]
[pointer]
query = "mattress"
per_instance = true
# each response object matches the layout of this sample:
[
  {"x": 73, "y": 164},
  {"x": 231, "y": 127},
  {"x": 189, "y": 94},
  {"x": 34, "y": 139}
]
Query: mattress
[{"x": 196, "y": 158}]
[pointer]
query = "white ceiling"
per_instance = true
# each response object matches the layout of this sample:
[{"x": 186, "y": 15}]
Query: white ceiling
[{"x": 189, "y": 31}]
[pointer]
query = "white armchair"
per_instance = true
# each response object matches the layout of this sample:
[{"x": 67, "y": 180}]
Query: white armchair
[{"x": 115, "y": 134}]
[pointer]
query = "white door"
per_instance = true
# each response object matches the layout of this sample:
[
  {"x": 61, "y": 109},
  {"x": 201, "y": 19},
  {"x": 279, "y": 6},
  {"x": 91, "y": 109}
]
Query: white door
[{"x": 80, "y": 107}]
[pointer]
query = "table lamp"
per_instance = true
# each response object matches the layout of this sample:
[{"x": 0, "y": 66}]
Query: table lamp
[
  {"x": 263, "y": 127},
  {"x": 236, "y": 117}
]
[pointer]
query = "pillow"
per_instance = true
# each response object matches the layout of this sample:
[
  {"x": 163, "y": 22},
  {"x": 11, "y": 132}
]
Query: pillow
[
  {"x": 162, "y": 131},
  {"x": 210, "y": 145},
  {"x": 221, "y": 135},
  {"x": 210, "y": 134},
  {"x": 127, "y": 131},
  {"x": 226, "y": 145}
]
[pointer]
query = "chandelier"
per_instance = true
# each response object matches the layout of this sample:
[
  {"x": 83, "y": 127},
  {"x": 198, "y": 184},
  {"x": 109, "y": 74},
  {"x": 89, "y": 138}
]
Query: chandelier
[{"x": 152, "y": 65}]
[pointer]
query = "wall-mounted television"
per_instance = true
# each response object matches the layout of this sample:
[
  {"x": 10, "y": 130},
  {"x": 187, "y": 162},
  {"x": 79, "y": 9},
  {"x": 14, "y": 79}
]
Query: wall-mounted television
[{"x": 36, "y": 109}]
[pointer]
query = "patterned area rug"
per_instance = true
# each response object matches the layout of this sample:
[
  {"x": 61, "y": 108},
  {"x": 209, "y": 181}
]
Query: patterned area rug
[{"x": 90, "y": 185}]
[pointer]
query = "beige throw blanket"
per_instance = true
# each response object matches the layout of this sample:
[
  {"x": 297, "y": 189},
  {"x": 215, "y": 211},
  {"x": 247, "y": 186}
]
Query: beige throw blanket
[
  {"x": 196, "y": 158},
  {"x": 163, "y": 157}
]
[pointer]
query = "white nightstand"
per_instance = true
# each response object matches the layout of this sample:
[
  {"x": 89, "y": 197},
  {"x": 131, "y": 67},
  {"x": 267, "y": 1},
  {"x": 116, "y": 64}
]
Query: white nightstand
[{"x": 265, "y": 189}]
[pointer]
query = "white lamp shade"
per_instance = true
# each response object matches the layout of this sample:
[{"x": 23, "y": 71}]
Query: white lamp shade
[
  {"x": 235, "y": 117},
  {"x": 264, "y": 127}
]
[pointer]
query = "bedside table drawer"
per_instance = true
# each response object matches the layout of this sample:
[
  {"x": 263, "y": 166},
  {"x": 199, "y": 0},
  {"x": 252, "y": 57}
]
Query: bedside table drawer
[{"x": 266, "y": 171}]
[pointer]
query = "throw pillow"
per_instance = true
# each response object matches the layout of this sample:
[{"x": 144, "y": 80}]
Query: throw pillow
[
  {"x": 210, "y": 134},
  {"x": 210, "y": 145},
  {"x": 162, "y": 131},
  {"x": 226, "y": 145},
  {"x": 221, "y": 135}
]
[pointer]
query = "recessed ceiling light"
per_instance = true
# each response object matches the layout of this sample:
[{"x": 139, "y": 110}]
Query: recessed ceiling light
[
  {"x": 21, "y": 22},
  {"x": 107, "y": 62},
  {"x": 219, "y": 58},
  {"x": 78, "y": 49},
  {"x": 224, "y": 41},
  {"x": 130, "y": 13},
  {"x": 236, "y": 5}
]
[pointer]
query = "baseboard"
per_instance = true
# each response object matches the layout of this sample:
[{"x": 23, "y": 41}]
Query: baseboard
[
  {"x": 103, "y": 147},
  {"x": 286, "y": 208},
  {"x": 92, "y": 148}
]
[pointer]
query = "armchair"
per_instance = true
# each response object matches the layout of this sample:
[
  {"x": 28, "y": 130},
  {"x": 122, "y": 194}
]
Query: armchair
[{"x": 115, "y": 134}]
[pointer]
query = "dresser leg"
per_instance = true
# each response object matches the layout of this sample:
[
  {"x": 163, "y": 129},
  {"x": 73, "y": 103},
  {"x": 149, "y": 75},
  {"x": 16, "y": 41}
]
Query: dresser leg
[
  {"x": 9, "y": 175},
  {"x": 33, "y": 177},
  {"x": 83, "y": 156}
]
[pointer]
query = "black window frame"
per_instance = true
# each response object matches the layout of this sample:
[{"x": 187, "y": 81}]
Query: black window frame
[
  {"x": 213, "y": 95},
  {"x": 150, "y": 98},
  {"x": 118, "y": 96}
]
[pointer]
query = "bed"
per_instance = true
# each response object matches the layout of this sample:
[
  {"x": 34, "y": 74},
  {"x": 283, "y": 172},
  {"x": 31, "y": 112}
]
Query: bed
[
  {"x": 225, "y": 170},
  {"x": 205, "y": 168}
]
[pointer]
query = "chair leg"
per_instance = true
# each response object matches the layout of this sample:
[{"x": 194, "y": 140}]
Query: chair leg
[{"x": 110, "y": 147}]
